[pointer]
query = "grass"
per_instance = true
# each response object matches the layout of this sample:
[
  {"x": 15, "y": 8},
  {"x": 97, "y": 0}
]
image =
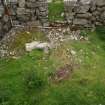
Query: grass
[
  {"x": 85, "y": 87},
  {"x": 56, "y": 8}
]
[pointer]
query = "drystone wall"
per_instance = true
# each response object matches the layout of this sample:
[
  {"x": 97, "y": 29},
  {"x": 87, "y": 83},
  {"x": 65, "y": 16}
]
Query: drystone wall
[
  {"x": 85, "y": 13},
  {"x": 17, "y": 12}
]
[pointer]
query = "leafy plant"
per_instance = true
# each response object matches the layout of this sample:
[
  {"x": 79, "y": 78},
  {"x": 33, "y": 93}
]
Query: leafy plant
[
  {"x": 33, "y": 81},
  {"x": 100, "y": 30},
  {"x": 84, "y": 33}
]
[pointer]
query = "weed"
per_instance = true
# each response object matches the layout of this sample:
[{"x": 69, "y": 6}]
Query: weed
[
  {"x": 33, "y": 81},
  {"x": 100, "y": 30}
]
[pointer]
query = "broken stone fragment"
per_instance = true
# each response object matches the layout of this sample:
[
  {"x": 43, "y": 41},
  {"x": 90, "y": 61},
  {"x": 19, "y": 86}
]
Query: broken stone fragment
[{"x": 37, "y": 45}]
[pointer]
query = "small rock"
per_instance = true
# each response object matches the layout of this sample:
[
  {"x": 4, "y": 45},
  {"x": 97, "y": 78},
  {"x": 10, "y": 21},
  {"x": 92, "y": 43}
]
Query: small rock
[{"x": 73, "y": 52}]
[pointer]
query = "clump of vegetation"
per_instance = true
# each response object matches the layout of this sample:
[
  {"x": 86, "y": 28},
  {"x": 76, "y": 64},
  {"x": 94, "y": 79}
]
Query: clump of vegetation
[
  {"x": 4, "y": 95},
  {"x": 33, "y": 81},
  {"x": 84, "y": 33},
  {"x": 100, "y": 30}
]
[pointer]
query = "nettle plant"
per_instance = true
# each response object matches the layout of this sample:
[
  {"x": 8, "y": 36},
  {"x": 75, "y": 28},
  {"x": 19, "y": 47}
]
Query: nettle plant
[{"x": 33, "y": 81}]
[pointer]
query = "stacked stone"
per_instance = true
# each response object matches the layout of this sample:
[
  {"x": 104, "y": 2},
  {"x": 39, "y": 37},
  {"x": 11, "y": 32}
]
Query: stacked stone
[
  {"x": 31, "y": 10},
  {"x": 16, "y": 12},
  {"x": 39, "y": 10},
  {"x": 4, "y": 20},
  {"x": 85, "y": 13},
  {"x": 42, "y": 12}
]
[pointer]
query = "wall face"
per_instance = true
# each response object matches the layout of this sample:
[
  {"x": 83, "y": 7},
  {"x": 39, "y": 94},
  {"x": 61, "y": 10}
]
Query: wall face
[
  {"x": 15, "y": 12},
  {"x": 85, "y": 13}
]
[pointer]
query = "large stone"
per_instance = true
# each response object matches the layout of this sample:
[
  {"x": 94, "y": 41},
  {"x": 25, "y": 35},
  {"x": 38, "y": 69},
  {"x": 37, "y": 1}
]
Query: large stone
[
  {"x": 21, "y": 11},
  {"x": 12, "y": 1},
  {"x": 1, "y": 11},
  {"x": 80, "y": 22},
  {"x": 83, "y": 8},
  {"x": 70, "y": 2},
  {"x": 99, "y": 2},
  {"x": 85, "y": 1},
  {"x": 85, "y": 16},
  {"x": 37, "y": 45}
]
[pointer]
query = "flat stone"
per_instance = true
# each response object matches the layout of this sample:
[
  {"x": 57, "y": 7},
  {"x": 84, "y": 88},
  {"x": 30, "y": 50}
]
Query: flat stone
[
  {"x": 37, "y": 45},
  {"x": 80, "y": 22}
]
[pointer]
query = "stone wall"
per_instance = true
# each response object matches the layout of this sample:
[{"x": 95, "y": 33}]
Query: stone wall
[
  {"x": 85, "y": 13},
  {"x": 17, "y": 12}
]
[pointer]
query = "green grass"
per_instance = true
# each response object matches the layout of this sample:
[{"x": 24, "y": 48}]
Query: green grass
[
  {"x": 55, "y": 10},
  {"x": 86, "y": 86}
]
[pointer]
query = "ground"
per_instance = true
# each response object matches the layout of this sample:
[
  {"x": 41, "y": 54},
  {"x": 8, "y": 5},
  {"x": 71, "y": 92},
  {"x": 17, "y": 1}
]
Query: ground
[{"x": 25, "y": 80}]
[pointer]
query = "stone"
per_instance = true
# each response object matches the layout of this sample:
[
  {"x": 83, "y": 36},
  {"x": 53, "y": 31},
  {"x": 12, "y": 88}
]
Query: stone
[
  {"x": 21, "y": 3},
  {"x": 23, "y": 11},
  {"x": 37, "y": 45},
  {"x": 85, "y": 16},
  {"x": 80, "y": 22},
  {"x": 83, "y": 9},
  {"x": 1, "y": 11},
  {"x": 31, "y": 46},
  {"x": 49, "y": 1},
  {"x": 85, "y": 1},
  {"x": 99, "y": 2},
  {"x": 5, "y": 18}
]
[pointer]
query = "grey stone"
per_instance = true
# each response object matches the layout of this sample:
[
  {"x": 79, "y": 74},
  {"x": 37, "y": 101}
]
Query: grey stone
[
  {"x": 80, "y": 22},
  {"x": 21, "y": 11},
  {"x": 85, "y": 16},
  {"x": 83, "y": 8},
  {"x": 99, "y": 2},
  {"x": 103, "y": 16},
  {"x": 1, "y": 11},
  {"x": 21, "y": 3}
]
